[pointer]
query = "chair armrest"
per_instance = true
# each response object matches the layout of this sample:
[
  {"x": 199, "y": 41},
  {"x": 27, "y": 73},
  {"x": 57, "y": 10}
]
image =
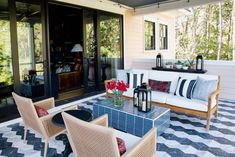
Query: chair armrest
[
  {"x": 146, "y": 147},
  {"x": 46, "y": 103},
  {"x": 102, "y": 120},
  {"x": 106, "y": 82}
]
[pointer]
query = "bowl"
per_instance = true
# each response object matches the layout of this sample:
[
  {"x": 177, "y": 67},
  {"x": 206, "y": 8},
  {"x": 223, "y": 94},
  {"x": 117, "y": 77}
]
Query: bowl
[
  {"x": 185, "y": 67},
  {"x": 178, "y": 66}
]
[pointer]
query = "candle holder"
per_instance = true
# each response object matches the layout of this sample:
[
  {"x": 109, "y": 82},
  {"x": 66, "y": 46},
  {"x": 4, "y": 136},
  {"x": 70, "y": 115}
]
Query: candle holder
[{"x": 144, "y": 99}]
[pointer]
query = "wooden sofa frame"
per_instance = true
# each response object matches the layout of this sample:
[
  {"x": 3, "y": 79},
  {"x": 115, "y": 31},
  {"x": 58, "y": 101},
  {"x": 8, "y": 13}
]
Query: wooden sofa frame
[{"x": 203, "y": 114}]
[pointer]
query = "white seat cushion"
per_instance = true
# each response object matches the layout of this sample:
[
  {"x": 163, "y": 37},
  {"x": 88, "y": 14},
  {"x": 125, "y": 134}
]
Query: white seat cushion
[
  {"x": 130, "y": 140},
  {"x": 160, "y": 97},
  {"x": 193, "y": 104}
]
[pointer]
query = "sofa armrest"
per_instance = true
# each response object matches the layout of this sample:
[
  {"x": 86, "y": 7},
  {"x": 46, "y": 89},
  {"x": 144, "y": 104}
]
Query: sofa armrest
[
  {"x": 213, "y": 96},
  {"x": 103, "y": 120},
  {"x": 146, "y": 147},
  {"x": 46, "y": 103},
  {"x": 106, "y": 82}
]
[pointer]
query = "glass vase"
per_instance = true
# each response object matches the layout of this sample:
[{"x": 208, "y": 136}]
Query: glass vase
[{"x": 117, "y": 100}]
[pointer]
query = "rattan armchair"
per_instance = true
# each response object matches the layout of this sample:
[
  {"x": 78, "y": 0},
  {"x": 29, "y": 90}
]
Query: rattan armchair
[
  {"x": 42, "y": 125},
  {"x": 94, "y": 139}
]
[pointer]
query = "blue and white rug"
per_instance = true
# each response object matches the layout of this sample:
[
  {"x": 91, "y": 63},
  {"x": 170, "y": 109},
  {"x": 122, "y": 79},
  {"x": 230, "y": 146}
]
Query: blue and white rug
[{"x": 186, "y": 137}]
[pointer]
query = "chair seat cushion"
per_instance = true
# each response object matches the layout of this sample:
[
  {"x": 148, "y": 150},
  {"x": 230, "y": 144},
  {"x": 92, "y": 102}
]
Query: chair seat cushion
[
  {"x": 130, "y": 140},
  {"x": 41, "y": 111},
  {"x": 121, "y": 145}
]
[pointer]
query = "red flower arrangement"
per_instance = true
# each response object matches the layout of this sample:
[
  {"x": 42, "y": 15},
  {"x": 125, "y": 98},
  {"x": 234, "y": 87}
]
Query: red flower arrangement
[{"x": 118, "y": 88}]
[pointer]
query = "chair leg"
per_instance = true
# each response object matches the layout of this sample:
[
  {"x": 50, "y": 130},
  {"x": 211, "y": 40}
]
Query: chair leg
[
  {"x": 45, "y": 147},
  {"x": 25, "y": 133},
  {"x": 208, "y": 122},
  {"x": 216, "y": 112}
]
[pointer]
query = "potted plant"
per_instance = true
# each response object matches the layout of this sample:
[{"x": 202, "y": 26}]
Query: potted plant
[
  {"x": 118, "y": 88},
  {"x": 168, "y": 65},
  {"x": 179, "y": 65},
  {"x": 191, "y": 63},
  {"x": 185, "y": 65}
]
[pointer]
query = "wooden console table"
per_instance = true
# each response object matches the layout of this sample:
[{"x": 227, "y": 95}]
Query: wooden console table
[
  {"x": 69, "y": 80},
  {"x": 181, "y": 70}
]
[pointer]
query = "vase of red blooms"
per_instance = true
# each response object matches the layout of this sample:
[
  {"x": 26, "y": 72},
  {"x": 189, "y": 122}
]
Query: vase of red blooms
[{"x": 118, "y": 88}]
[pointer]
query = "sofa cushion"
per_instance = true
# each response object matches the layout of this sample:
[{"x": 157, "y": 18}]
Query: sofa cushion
[
  {"x": 121, "y": 75},
  {"x": 129, "y": 92},
  {"x": 204, "y": 88},
  {"x": 193, "y": 104},
  {"x": 185, "y": 88},
  {"x": 173, "y": 77},
  {"x": 134, "y": 79},
  {"x": 160, "y": 97},
  {"x": 141, "y": 71},
  {"x": 130, "y": 140},
  {"x": 162, "y": 86}
]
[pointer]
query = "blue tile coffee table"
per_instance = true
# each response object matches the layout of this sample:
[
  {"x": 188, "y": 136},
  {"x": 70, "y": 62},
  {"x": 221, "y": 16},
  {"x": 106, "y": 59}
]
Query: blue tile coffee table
[{"x": 128, "y": 119}]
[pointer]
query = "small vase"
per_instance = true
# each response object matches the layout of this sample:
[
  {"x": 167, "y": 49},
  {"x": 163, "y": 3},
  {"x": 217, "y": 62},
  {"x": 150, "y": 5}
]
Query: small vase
[{"x": 117, "y": 100}]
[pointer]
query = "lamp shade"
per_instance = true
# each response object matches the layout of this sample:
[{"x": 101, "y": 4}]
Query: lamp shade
[{"x": 77, "y": 48}]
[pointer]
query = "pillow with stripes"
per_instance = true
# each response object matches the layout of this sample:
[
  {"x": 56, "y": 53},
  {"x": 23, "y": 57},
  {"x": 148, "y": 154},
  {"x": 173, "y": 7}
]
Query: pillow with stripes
[
  {"x": 185, "y": 88},
  {"x": 134, "y": 80}
]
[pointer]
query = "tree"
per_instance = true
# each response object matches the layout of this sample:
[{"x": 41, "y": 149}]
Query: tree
[{"x": 208, "y": 30}]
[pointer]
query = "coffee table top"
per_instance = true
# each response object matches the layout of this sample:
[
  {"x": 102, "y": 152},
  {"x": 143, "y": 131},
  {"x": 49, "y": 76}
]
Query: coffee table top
[
  {"x": 127, "y": 107},
  {"x": 80, "y": 114}
]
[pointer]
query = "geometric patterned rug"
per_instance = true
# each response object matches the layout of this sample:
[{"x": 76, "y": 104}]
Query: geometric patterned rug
[{"x": 186, "y": 136}]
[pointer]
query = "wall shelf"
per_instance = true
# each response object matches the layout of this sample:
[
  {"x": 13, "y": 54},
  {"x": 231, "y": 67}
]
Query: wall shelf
[{"x": 180, "y": 70}]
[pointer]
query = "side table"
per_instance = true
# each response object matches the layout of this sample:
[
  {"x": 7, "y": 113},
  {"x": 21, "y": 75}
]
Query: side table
[{"x": 58, "y": 120}]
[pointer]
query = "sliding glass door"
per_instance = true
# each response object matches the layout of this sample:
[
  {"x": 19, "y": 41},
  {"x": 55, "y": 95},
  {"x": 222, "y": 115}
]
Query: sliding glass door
[
  {"x": 103, "y": 48},
  {"x": 109, "y": 45},
  {"x": 30, "y": 49}
]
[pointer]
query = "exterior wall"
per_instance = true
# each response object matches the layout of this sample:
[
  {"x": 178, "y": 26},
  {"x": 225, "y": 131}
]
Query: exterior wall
[
  {"x": 225, "y": 70},
  {"x": 134, "y": 37}
]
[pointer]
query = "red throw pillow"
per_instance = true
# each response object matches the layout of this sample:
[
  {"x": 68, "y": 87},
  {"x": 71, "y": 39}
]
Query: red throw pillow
[
  {"x": 121, "y": 146},
  {"x": 163, "y": 86},
  {"x": 41, "y": 111}
]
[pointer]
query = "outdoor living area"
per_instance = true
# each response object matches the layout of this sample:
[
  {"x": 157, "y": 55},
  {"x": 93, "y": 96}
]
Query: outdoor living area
[{"x": 111, "y": 78}]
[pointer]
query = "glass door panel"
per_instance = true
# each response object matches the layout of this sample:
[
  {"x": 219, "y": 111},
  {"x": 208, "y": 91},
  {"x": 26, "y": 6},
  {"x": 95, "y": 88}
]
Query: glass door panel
[
  {"x": 90, "y": 52},
  {"x": 110, "y": 42},
  {"x": 6, "y": 73},
  {"x": 30, "y": 51}
]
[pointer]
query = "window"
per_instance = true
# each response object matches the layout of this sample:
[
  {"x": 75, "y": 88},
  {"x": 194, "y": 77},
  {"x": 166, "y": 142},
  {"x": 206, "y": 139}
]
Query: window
[
  {"x": 163, "y": 36},
  {"x": 149, "y": 35}
]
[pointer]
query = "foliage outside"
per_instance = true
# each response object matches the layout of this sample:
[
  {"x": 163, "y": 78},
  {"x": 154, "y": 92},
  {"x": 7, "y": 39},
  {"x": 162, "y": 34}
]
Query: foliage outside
[{"x": 207, "y": 30}]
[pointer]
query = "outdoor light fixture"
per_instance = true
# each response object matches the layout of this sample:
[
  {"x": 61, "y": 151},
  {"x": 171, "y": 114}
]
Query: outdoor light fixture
[
  {"x": 144, "y": 99},
  {"x": 159, "y": 61},
  {"x": 199, "y": 63},
  {"x": 135, "y": 96}
]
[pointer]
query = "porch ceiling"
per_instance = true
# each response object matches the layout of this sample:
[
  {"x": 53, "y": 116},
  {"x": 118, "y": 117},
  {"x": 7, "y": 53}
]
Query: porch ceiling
[{"x": 140, "y": 3}]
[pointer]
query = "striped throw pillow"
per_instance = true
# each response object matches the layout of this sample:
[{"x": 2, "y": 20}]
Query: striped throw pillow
[
  {"x": 134, "y": 80},
  {"x": 185, "y": 88}
]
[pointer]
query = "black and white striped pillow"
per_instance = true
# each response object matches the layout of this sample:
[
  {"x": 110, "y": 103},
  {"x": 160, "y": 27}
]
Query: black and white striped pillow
[
  {"x": 185, "y": 87},
  {"x": 134, "y": 80}
]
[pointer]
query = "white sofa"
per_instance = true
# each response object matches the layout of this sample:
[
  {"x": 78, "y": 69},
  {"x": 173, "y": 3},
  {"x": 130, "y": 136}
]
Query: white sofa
[{"x": 170, "y": 100}]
